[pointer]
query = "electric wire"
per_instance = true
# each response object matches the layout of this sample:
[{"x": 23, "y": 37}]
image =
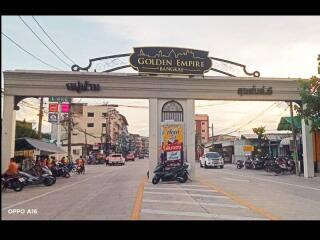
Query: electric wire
[
  {"x": 36, "y": 35},
  {"x": 32, "y": 55}
]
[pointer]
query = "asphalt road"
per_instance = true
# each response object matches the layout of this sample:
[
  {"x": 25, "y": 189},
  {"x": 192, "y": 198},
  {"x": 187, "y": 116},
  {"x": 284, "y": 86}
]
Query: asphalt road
[
  {"x": 102, "y": 193},
  {"x": 122, "y": 193}
]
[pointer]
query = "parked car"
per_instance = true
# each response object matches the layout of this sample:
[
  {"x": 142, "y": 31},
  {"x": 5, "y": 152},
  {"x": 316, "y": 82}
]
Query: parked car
[
  {"x": 211, "y": 159},
  {"x": 130, "y": 157},
  {"x": 115, "y": 159},
  {"x": 141, "y": 156}
]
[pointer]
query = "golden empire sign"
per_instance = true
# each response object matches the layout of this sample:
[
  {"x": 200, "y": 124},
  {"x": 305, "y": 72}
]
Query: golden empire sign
[{"x": 167, "y": 60}]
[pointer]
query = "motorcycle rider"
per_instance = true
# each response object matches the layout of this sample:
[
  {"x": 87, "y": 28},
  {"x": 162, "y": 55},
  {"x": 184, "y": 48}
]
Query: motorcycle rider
[
  {"x": 63, "y": 161},
  {"x": 12, "y": 169}
]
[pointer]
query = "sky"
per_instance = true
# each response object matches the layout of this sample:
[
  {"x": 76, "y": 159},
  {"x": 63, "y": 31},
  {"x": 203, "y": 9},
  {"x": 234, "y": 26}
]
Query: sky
[{"x": 277, "y": 46}]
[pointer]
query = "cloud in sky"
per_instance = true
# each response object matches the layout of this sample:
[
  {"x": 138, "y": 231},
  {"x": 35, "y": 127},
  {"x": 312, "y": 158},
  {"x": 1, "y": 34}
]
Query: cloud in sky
[{"x": 277, "y": 46}]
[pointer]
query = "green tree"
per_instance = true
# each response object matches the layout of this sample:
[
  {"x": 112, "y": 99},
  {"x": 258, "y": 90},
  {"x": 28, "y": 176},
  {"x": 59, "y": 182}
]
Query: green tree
[
  {"x": 25, "y": 130},
  {"x": 260, "y": 131},
  {"x": 310, "y": 97}
]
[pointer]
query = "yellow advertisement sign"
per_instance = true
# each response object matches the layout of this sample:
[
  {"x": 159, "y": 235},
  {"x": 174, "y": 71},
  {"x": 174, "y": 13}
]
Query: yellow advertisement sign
[
  {"x": 248, "y": 148},
  {"x": 172, "y": 143}
]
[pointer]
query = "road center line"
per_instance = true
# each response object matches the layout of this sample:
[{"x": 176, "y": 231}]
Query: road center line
[{"x": 135, "y": 215}]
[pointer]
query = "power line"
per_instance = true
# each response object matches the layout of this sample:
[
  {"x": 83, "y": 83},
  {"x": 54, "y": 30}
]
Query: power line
[
  {"x": 256, "y": 117},
  {"x": 29, "y": 52},
  {"x": 52, "y": 40},
  {"x": 43, "y": 42}
]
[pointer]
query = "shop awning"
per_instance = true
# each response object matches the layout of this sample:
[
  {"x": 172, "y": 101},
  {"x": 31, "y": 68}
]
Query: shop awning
[
  {"x": 30, "y": 143},
  {"x": 285, "y": 123}
]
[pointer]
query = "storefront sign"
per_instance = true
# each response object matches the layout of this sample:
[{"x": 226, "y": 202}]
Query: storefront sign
[
  {"x": 53, "y": 107},
  {"x": 53, "y": 117},
  {"x": 255, "y": 91},
  {"x": 248, "y": 148},
  {"x": 168, "y": 60},
  {"x": 80, "y": 87},
  {"x": 172, "y": 144}
]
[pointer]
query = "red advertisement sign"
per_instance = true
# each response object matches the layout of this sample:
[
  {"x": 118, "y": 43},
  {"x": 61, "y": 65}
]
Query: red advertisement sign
[
  {"x": 64, "y": 107},
  {"x": 53, "y": 107}
]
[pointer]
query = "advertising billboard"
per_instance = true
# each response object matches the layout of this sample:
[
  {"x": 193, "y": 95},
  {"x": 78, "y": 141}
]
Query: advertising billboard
[{"x": 172, "y": 144}]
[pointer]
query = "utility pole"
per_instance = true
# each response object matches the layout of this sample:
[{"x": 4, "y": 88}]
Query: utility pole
[
  {"x": 212, "y": 136},
  {"x": 40, "y": 118},
  {"x": 295, "y": 156},
  {"x": 69, "y": 131},
  {"x": 85, "y": 140}
]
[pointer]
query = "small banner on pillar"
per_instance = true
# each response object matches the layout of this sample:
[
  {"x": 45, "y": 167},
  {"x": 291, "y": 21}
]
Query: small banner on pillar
[{"x": 172, "y": 144}]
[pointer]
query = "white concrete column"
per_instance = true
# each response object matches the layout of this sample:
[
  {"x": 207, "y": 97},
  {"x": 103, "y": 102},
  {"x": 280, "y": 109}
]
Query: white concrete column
[
  {"x": 8, "y": 131},
  {"x": 190, "y": 135},
  {"x": 308, "y": 164},
  {"x": 153, "y": 136}
]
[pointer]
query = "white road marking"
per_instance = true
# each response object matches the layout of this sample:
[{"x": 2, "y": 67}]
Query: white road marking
[
  {"x": 56, "y": 190},
  {"x": 186, "y": 194},
  {"x": 186, "y": 189},
  {"x": 238, "y": 180},
  {"x": 195, "y": 203},
  {"x": 199, "y": 214},
  {"x": 269, "y": 180},
  {"x": 193, "y": 185}
]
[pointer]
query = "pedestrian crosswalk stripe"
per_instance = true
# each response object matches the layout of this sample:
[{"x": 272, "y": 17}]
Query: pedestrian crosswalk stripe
[
  {"x": 195, "y": 203},
  {"x": 186, "y": 189},
  {"x": 186, "y": 194},
  {"x": 199, "y": 214}
]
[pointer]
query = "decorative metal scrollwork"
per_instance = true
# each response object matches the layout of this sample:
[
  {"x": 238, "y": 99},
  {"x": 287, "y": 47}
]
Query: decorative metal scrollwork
[
  {"x": 113, "y": 63},
  {"x": 77, "y": 68},
  {"x": 254, "y": 74}
]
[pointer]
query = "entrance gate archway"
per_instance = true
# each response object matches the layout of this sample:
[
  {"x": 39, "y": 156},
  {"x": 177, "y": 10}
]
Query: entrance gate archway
[
  {"x": 158, "y": 89},
  {"x": 187, "y": 85}
]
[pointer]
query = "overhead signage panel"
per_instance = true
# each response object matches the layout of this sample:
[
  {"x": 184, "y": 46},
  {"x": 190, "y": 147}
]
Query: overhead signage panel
[{"x": 170, "y": 60}]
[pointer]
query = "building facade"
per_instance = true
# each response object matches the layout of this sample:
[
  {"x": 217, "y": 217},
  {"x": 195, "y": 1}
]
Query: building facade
[
  {"x": 202, "y": 127},
  {"x": 94, "y": 127}
]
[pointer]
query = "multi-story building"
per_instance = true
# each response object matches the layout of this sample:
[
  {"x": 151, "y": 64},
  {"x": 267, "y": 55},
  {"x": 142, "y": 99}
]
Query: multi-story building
[
  {"x": 93, "y": 127},
  {"x": 202, "y": 127}
]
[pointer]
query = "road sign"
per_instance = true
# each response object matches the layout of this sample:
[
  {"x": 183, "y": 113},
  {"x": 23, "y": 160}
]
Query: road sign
[
  {"x": 59, "y": 99},
  {"x": 53, "y": 117},
  {"x": 53, "y": 107},
  {"x": 248, "y": 148},
  {"x": 64, "y": 117},
  {"x": 65, "y": 107}
]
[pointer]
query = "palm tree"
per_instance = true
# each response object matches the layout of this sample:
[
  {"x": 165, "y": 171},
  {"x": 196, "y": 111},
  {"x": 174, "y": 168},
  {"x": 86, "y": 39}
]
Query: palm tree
[{"x": 260, "y": 132}]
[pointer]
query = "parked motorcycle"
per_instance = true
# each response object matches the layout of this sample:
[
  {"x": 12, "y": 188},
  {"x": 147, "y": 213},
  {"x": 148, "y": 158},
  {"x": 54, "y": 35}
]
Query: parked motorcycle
[
  {"x": 248, "y": 163},
  {"x": 284, "y": 165},
  {"x": 60, "y": 171},
  {"x": 47, "y": 170},
  {"x": 179, "y": 173},
  {"x": 240, "y": 164},
  {"x": 45, "y": 179},
  {"x": 16, "y": 183},
  {"x": 258, "y": 163}
]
